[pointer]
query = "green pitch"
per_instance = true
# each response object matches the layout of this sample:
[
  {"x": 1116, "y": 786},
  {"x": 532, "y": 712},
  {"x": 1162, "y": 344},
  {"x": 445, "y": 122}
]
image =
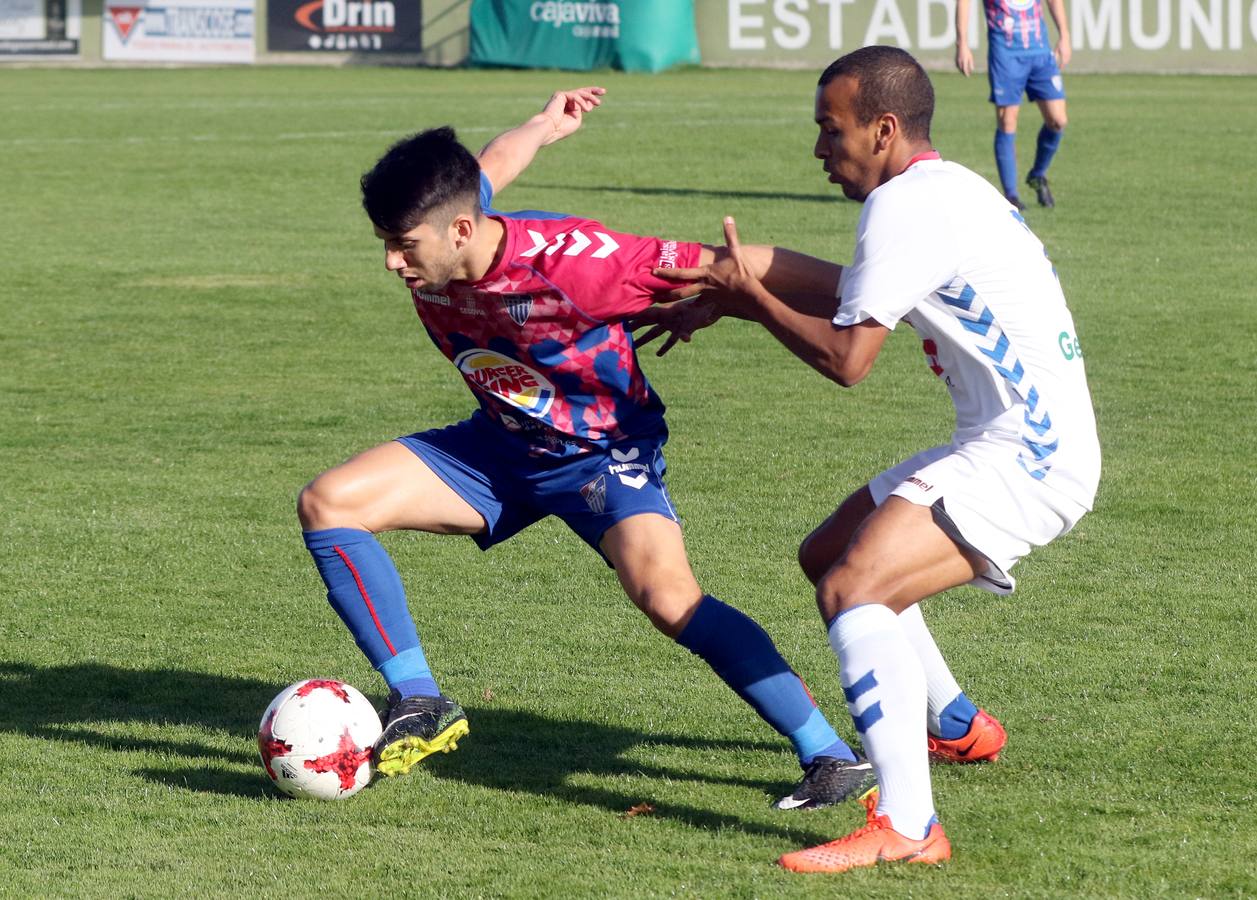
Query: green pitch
[{"x": 195, "y": 320}]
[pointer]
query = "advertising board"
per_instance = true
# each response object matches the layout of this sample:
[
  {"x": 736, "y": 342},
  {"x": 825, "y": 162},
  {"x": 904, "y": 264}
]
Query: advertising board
[
  {"x": 40, "y": 27},
  {"x": 384, "y": 26},
  {"x": 206, "y": 31}
]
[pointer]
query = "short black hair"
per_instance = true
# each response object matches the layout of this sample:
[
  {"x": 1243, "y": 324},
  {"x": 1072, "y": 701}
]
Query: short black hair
[
  {"x": 419, "y": 175},
  {"x": 890, "y": 80}
]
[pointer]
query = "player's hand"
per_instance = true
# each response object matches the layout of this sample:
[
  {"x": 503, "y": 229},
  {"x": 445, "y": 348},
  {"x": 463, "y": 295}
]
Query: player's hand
[
  {"x": 729, "y": 279},
  {"x": 678, "y": 321},
  {"x": 566, "y": 110},
  {"x": 1064, "y": 52},
  {"x": 964, "y": 59}
]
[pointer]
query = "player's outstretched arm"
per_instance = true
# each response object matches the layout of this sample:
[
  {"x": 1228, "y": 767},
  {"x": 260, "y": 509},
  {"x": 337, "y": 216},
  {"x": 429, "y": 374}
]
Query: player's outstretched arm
[
  {"x": 508, "y": 154},
  {"x": 844, "y": 355},
  {"x": 804, "y": 283}
]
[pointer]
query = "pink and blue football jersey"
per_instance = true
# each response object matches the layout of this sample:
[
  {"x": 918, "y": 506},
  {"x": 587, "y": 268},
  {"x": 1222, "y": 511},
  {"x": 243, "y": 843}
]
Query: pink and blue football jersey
[
  {"x": 1016, "y": 27},
  {"x": 540, "y": 340}
]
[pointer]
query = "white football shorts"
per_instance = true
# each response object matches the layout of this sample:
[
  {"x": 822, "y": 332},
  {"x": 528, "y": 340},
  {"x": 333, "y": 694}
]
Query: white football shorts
[{"x": 985, "y": 501}]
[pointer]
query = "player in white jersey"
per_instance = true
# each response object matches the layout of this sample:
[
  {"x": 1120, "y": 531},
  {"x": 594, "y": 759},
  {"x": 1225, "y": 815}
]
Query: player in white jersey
[{"x": 941, "y": 250}]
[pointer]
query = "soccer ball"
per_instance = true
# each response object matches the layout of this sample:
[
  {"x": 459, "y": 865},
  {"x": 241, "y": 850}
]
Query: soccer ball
[{"x": 316, "y": 738}]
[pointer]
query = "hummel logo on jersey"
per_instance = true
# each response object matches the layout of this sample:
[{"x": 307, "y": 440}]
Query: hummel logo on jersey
[
  {"x": 912, "y": 479},
  {"x": 624, "y": 465},
  {"x": 579, "y": 243}
]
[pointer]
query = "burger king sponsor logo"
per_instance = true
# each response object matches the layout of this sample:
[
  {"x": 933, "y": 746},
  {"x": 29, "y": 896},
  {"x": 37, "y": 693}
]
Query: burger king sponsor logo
[{"x": 522, "y": 387}]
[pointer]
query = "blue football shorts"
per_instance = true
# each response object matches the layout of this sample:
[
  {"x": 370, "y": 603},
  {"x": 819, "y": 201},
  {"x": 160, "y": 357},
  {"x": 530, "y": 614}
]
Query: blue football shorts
[
  {"x": 512, "y": 489},
  {"x": 1037, "y": 76}
]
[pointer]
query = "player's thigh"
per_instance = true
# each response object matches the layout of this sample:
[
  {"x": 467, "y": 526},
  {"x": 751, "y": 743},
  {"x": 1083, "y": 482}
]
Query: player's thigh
[
  {"x": 1006, "y": 118},
  {"x": 648, "y": 553},
  {"x": 898, "y": 556},
  {"x": 826, "y": 544},
  {"x": 386, "y": 488},
  {"x": 1007, "y": 76},
  {"x": 1046, "y": 87}
]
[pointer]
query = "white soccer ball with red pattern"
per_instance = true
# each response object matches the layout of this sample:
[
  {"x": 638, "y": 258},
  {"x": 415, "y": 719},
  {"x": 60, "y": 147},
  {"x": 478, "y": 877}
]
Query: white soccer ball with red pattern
[{"x": 316, "y": 738}]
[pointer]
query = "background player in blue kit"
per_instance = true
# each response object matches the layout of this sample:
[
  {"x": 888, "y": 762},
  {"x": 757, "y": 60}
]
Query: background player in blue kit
[
  {"x": 529, "y": 307},
  {"x": 1020, "y": 60}
]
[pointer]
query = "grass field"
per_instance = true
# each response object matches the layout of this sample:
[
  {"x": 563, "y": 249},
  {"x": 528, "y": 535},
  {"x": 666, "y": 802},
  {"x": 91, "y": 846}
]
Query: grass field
[{"x": 194, "y": 321}]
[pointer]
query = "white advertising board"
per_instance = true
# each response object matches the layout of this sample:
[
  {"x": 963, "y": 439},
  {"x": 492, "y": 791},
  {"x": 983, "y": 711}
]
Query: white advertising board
[{"x": 219, "y": 31}]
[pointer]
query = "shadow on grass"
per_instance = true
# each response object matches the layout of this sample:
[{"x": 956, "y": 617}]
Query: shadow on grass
[
  {"x": 507, "y": 750},
  {"x": 692, "y": 192}
]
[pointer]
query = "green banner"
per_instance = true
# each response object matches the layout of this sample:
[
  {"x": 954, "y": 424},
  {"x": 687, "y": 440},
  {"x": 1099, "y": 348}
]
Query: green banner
[
  {"x": 1107, "y": 35},
  {"x": 636, "y": 35}
]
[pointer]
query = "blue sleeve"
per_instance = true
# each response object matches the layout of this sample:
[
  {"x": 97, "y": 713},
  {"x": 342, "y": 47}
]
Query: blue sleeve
[
  {"x": 486, "y": 204},
  {"x": 486, "y": 193}
]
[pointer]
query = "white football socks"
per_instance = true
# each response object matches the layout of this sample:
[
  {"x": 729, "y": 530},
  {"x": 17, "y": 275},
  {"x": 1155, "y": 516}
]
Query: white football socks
[
  {"x": 884, "y": 684},
  {"x": 940, "y": 685}
]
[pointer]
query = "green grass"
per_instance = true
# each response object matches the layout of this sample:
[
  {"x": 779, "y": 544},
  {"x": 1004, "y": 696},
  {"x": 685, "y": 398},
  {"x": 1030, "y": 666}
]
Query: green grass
[{"x": 194, "y": 321}]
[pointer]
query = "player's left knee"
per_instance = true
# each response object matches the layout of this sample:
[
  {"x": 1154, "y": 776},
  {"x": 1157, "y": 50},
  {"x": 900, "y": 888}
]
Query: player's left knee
[{"x": 668, "y": 608}]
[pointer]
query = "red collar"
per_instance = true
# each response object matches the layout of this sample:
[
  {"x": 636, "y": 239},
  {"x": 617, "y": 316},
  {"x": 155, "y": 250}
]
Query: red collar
[{"x": 928, "y": 154}]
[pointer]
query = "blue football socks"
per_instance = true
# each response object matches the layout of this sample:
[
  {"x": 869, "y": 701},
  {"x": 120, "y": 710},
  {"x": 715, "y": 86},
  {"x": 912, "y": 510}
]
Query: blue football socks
[
  {"x": 1045, "y": 149},
  {"x": 956, "y": 718},
  {"x": 1006, "y": 160},
  {"x": 365, "y": 590},
  {"x": 743, "y": 654}
]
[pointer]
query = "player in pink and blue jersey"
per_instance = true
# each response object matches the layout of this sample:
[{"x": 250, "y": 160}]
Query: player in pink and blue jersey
[
  {"x": 529, "y": 307},
  {"x": 1020, "y": 59}
]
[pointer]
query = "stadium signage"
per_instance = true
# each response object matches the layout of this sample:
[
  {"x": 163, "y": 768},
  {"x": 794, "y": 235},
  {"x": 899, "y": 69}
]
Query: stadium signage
[
  {"x": 588, "y": 20},
  {"x": 40, "y": 27},
  {"x": 344, "y": 25},
  {"x": 637, "y": 35},
  {"x": 179, "y": 31},
  {"x": 1108, "y": 35}
]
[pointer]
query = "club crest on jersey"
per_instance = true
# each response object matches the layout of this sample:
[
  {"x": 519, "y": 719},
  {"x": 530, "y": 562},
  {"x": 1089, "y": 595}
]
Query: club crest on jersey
[
  {"x": 518, "y": 306},
  {"x": 506, "y": 378},
  {"x": 595, "y": 494}
]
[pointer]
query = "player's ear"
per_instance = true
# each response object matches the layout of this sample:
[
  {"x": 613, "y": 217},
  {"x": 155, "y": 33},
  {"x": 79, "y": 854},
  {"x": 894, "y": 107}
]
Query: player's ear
[
  {"x": 887, "y": 128},
  {"x": 462, "y": 229}
]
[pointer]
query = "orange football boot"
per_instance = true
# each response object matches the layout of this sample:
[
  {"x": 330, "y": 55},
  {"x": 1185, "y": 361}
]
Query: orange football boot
[
  {"x": 875, "y": 842},
  {"x": 982, "y": 743}
]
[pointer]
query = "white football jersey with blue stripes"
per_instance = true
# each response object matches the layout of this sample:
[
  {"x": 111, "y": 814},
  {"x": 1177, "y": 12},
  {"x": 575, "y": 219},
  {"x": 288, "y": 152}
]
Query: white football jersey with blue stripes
[{"x": 941, "y": 249}]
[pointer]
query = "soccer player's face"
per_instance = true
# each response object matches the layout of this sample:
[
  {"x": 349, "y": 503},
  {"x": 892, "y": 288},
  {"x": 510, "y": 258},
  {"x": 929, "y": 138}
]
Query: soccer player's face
[
  {"x": 846, "y": 149},
  {"x": 425, "y": 257}
]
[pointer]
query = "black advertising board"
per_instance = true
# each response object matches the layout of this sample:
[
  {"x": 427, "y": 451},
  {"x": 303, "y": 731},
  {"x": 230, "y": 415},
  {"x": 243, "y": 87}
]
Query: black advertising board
[{"x": 382, "y": 26}]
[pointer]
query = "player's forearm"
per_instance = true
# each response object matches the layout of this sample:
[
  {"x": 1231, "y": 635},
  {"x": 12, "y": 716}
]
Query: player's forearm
[
  {"x": 962, "y": 23},
  {"x": 805, "y": 283},
  {"x": 511, "y": 152},
  {"x": 813, "y": 339}
]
